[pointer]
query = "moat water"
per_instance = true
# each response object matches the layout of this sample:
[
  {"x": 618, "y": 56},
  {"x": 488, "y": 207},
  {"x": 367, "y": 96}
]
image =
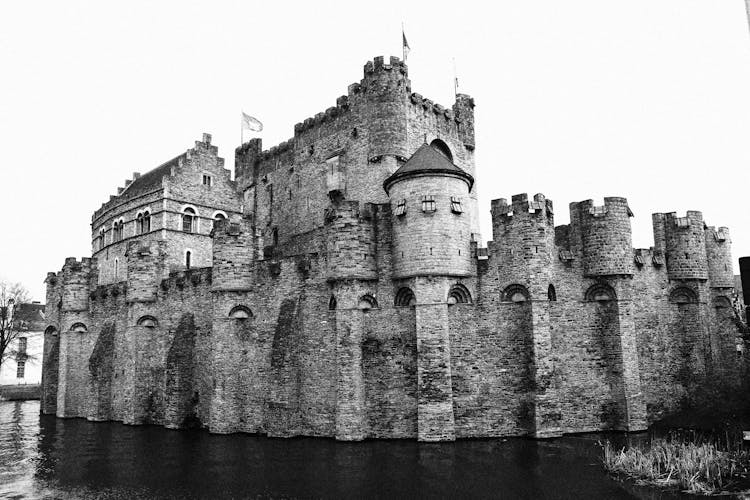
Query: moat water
[{"x": 46, "y": 457}]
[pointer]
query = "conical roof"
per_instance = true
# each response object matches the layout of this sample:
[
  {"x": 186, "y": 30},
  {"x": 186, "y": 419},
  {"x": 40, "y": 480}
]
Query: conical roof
[{"x": 427, "y": 160}]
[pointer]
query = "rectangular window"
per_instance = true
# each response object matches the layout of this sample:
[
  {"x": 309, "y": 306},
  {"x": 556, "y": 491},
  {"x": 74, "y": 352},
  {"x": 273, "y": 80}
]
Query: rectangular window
[
  {"x": 21, "y": 345},
  {"x": 21, "y": 369},
  {"x": 206, "y": 180},
  {"x": 401, "y": 208},
  {"x": 428, "y": 203},
  {"x": 456, "y": 207}
]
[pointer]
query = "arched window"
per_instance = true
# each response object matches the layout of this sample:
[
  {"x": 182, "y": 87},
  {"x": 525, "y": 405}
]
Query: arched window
[
  {"x": 443, "y": 148},
  {"x": 332, "y": 303},
  {"x": 459, "y": 294},
  {"x": 51, "y": 330},
  {"x": 275, "y": 236},
  {"x": 405, "y": 297},
  {"x": 189, "y": 220},
  {"x": 117, "y": 230},
  {"x": 219, "y": 216},
  {"x": 551, "y": 293},
  {"x": 367, "y": 302},
  {"x": 101, "y": 238},
  {"x": 139, "y": 223},
  {"x": 516, "y": 293},
  {"x": 188, "y": 254},
  {"x": 79, "y": 328},
  {"x": 240, "y": 312},
  {"x": 723, "y": 304},
  {"x": 600, "y": 292},
  {"x": 146, "y": 224},
  {"x": 683, "y": 295},
  {"x": 148, "y": 322}
]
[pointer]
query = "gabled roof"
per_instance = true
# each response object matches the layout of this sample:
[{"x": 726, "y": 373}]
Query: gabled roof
[
  {"x": 31, "y": 316},
  {"x": 427, "y": 160},
  {"x": 150, "y": 181}
]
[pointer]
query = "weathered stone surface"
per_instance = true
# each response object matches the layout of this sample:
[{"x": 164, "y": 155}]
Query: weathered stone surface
[{"x": 322, "y": 305}]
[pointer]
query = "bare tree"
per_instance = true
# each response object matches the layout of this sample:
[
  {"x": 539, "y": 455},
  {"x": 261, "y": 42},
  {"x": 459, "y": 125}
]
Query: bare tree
[{"x": 12, "y": 295}]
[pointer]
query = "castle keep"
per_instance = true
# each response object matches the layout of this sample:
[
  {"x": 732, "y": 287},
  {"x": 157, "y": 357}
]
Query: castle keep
[{"x": 336, "y": 287}]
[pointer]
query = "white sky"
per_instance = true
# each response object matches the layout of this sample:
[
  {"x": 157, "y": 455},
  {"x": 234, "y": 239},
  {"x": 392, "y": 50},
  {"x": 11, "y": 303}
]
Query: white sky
[{"x": 579, "y": 99}]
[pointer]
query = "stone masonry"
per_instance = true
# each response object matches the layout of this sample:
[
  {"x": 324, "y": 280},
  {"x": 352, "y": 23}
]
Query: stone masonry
[{"x": 336, "y": 287}]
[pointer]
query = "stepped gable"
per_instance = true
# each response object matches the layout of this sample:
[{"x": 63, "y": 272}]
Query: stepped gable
[
  {"x": 427, "y": 160},
  {"x": 151, "y": 180}
]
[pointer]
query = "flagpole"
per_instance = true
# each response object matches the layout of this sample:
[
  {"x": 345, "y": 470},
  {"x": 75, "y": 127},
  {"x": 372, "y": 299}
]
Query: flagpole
[
  {"x": 455, "y": 79},
  {"x": 403, "y": 47}
]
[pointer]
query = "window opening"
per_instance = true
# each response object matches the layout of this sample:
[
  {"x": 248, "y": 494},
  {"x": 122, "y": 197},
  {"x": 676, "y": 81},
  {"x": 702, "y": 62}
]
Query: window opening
[{"x": 428, "y": 203}]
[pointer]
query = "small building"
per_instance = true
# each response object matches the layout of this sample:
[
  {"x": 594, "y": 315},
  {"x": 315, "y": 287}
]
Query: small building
[{"x": 24, "y": 366}]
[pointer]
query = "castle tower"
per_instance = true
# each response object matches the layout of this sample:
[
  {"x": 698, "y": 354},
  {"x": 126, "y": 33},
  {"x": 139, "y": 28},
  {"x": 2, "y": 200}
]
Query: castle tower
[
  {"x": 431, "y": 237},
  {"x": 74, "y": 338},
  {"x": 683, "y": 242},
  {"x": 523, "y": 235},
  {"x": 601, "y": 237},
  {"x": 605, "y": 240},
  {"x": 232, "y": 279},
  {"x": 142, "y": 332},
  {"x": 386, "y": 89},
  {"x": 351, "y": 266}
]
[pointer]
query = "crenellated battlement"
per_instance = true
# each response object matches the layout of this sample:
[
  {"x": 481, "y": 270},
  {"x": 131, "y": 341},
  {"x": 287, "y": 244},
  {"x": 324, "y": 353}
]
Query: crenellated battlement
[
  {"x": 602, "y": 236},
  {"x": 682, "y": 240}
]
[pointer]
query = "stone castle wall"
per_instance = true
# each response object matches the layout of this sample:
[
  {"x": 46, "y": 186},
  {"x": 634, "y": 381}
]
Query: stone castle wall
[{"x": 318, "y": 308}]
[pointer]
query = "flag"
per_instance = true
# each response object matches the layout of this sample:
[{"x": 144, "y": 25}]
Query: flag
[
  {"x": 405, "y": 44},
  {"x": 250, "y": 123}
]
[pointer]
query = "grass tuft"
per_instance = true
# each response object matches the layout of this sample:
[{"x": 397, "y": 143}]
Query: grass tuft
[{"x": 691, "y": 462}]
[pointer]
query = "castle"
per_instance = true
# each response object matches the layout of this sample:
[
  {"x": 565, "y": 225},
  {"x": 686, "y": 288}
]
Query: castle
[{"x": 336, "y": 287}]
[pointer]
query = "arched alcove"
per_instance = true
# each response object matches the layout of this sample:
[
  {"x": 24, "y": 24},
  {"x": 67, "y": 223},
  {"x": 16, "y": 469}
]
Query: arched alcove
[
  {"x": 240, "y": 312},
  {"x": 683, "y": 295},
  {"x": 516, "y": 293},
  {"x": 443, "y": 148},
  {"x": 459, "y": 294},
  {"x": 600, "y": 292},
  {"x": 405, "y": 297}
]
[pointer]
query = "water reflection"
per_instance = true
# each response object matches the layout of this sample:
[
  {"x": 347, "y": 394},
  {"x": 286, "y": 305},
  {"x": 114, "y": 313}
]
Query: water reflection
[{"x": 46, "y": 457}]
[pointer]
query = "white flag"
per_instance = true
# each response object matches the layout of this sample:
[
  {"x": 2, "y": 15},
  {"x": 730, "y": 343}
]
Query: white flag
[{"x": 250, "y": 123}]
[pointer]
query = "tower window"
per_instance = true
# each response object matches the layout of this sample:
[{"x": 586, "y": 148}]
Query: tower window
[
  {"x": 146, "y": 225},
  {"x": 188, "y": 220},
  {"x": 207, "y": 180},
  {"x": 101, "y": 238},
  {"x": 428, "y": 203},
  {"x": 187, "y": 259},
  {"x": 117, "y": 231},
  {"x": 456, "y": 207},
  {"x": 22, "y": 346},
  {"x": 401, "y": 208}
]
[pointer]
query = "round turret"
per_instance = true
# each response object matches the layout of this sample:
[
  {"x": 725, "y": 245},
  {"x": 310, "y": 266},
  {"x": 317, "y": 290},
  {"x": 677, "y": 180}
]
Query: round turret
[
  {"x": 75, "y": 291},
  {"x": 719, "y": 254},
  {"x": 350, "y": 241},
  {"x": 386, "y": 90},
  {"x": 523, "y": 234},
  {"x": 685, "y": 246},
  {"x": 431, "y": 220},
  {"x": 607, "y": 247}
]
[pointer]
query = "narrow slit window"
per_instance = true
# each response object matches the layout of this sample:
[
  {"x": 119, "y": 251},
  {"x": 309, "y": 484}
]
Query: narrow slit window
[
  {"x": 428, "y": 203},
  {"x": 456, "y": 207},
  {"x": 401, "y": 208},
  {"x": 187, "y": 259}
]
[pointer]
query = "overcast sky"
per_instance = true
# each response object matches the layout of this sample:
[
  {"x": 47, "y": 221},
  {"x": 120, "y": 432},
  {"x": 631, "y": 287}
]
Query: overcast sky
[{"x": 579, "y": 99}]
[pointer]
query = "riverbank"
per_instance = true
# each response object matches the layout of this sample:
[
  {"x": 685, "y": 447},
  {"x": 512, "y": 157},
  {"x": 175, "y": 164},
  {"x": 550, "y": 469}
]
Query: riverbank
[
  {"x": 20, "y": 392},
  {"x": 700, "y": 450}
]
